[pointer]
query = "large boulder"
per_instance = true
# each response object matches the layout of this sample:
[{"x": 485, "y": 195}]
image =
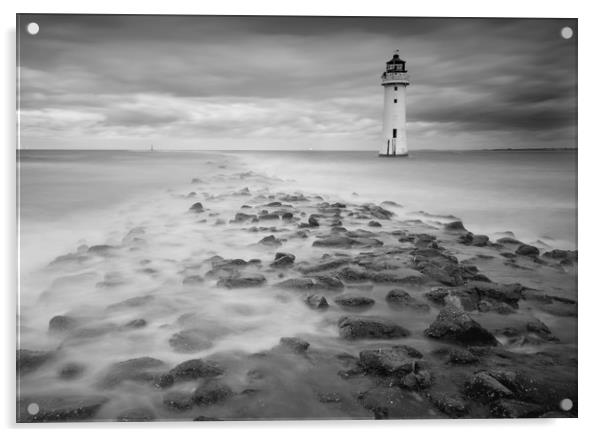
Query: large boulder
[
  {"x": 352, "y": 328},
  {"x": 453, "y": 324}
]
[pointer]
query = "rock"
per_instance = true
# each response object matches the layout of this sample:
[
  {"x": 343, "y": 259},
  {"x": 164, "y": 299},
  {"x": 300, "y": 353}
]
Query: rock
[
  {"x": 144, "y": 369},
  {"x": 297, "y": 284},
  {"x": 484, "y": 386},
  {"x": 496, "y": 307},
  {"x": 346, "y": 242},
  {"x": 136, "y": 323},
  {"x": 195, "y": 369},
  {"x": 241, "y": 217},
  {"x": 352, "y": 328},
  {"x": 462, "y": 356},
  {"x": 513, "y": 409},
  {"x": 374, "y": 224},
  {"x": 270, "y": 240},
  {"x": 102, "y": 250},
  {"x": 480, "y": 240},
  {"x": 388, "y": 361},
  {"x": 193, "y": 280},
  {"x": 269, "y": 216},
  {"x": 507, "y": 293},
  {"x": 283, "y": 259},
  {"x": 401, "y": 298},
  {"x": 316, "y": 302},
  {"x": 189, "y": 341},
  {"x": 354, "y": 301},
  {"x": 242, "y": 280},
  {"x": 417, "y": 381},
  {"x": 67, "y": 408},
  {"x": 538, "y": 327},
  {"x": 453, "y": 324},
  {"x": 62, "y": 324},
  {"x": 312, "y": 221},
  {"x": 377, "y": 212},
  {"x": 141, "y": 414},
  {"x": 294, "y": 344},
  {"x": 71, "y": 371},
  {"x": 527, "y": 250},
  {"x": 178, "y": 400},
  {"x": 287, "y": 216},
  {"x": 318, "y": 282},
  {"x": 568, "y": 256},
  {"x": 452, "y": 405},
  {"x": 197, "y": 207},
  {"x": 455, "y": 226},
  {"x": 211, "y": 392},
  {"x": 28, "y": 360},
  {"x": 508, "y": 240},
  {"x": 327, "y": 264}
]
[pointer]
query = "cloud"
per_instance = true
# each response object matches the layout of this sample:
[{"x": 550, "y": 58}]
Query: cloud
[{"x": 292, "y": 82}]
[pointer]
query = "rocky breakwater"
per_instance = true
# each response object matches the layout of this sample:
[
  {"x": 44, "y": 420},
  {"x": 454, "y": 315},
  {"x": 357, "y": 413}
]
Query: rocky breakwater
[{"x": 360, "y": 311}]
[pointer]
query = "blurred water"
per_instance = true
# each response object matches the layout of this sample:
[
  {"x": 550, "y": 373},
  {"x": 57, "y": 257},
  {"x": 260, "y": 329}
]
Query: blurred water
[{"x": 70, "y": 198}]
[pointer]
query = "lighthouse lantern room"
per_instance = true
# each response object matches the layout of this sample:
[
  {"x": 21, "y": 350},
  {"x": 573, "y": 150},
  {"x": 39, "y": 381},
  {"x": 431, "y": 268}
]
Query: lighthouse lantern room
[{"x": 395, "y": 79}]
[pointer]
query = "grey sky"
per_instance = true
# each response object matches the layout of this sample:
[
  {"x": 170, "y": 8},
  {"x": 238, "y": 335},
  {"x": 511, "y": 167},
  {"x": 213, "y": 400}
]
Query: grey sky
[{"x": 293, "y": 82}]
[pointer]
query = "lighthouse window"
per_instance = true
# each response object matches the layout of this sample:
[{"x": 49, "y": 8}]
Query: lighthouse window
[
  {"x": 394, "y": 133},
  {"x": 395, "y": 88},
  {"x": 395, "y": 101}
]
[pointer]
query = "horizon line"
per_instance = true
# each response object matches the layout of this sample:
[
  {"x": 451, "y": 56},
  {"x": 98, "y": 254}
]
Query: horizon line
[{"x": 290, "y": 150}]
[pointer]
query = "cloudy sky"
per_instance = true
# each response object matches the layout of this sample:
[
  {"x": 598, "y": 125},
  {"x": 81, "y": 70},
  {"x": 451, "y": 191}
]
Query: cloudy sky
[{"x": 207, "y": 82}]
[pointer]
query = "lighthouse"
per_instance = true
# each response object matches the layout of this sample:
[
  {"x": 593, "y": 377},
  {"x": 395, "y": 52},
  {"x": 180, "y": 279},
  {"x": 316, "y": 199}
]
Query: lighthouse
[{"x": 395, "y": 79}]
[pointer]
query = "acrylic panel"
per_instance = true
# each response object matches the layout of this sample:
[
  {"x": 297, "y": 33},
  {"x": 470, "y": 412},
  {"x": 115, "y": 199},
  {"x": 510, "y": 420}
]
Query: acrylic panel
[{"x": 284, "y": 218}]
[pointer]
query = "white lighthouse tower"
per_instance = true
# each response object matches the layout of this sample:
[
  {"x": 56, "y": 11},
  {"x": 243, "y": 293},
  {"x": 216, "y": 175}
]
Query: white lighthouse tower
[{"x": 395, "y": 79}]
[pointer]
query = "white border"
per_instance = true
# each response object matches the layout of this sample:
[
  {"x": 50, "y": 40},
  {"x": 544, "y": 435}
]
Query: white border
[{"x": 590, "y": 145}]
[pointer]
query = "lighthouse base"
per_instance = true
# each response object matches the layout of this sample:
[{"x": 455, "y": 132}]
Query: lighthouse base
[{"x": 404, "y": 155}]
